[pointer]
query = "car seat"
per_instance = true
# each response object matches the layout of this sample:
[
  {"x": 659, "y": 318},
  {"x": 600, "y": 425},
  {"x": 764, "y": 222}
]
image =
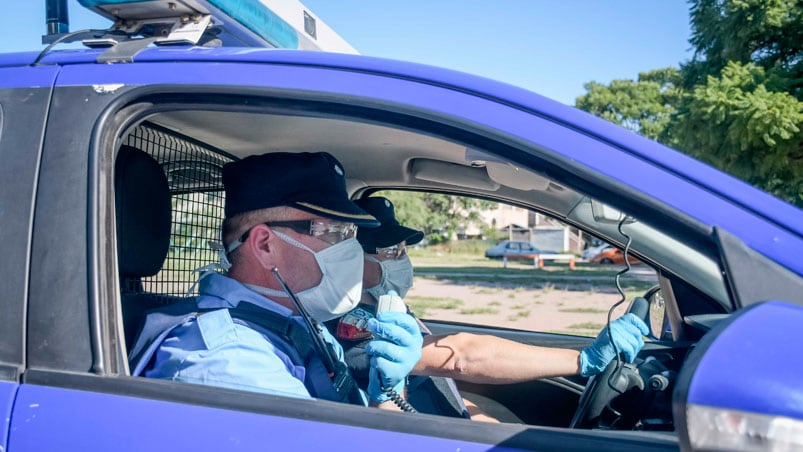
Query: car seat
[{"x": 142, "y": 197}]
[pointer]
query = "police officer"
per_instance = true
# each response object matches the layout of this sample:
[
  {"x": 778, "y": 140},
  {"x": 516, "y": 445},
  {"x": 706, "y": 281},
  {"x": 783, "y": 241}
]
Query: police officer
[
  {"x": 293, "y": 262},
  {"x": 463, "y": 356}
]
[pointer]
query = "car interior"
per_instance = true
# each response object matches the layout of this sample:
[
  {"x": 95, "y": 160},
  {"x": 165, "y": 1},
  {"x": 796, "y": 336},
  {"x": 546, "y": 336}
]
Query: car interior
[{"x": 169, "y": 204}]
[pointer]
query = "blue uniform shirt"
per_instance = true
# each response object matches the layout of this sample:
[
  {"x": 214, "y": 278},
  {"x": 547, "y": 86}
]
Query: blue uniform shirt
[{"x": 213, "y": 349}]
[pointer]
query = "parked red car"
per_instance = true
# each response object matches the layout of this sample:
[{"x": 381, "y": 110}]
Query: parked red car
[{"x": 611, "y": 255}]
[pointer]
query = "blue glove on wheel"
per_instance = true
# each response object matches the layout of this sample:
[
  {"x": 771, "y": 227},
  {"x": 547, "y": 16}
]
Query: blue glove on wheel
[
  {"x": 626, "y": 332},
  {"x": 394, "y": 352}
]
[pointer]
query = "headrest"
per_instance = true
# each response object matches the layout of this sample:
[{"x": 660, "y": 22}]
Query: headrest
[{"x": 142, "y": 196}]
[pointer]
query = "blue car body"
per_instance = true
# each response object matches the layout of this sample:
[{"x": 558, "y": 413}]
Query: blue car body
[{"x": 63, "y": 384}]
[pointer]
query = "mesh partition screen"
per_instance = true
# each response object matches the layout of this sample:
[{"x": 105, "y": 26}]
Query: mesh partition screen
[{"x": 194, "y": 172}]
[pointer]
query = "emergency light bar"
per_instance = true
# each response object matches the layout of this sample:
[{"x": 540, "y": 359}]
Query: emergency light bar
[{"x": 283, "y": 24}]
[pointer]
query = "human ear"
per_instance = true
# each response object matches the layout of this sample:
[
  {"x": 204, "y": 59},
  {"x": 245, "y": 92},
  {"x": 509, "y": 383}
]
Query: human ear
[{"x": 260, "y": 245}]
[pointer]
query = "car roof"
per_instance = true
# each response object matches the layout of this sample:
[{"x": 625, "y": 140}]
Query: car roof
[
  {"x": 756, "y": 202},
  {"x": 735, "y": 190}
]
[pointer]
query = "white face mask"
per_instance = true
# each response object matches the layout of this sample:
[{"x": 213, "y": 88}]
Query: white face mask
[
  {"x": 341, "y": 284},
  {"x": 397, "y": 274}
]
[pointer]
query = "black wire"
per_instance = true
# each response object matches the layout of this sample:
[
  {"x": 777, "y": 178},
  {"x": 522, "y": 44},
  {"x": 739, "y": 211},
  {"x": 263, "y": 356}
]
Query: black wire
[
  {"x": 314, "y": 329},
  {"x": 623, "y": 298},
  {"x": 63, "y": 38},
  {"x": 399, "y": 400}
]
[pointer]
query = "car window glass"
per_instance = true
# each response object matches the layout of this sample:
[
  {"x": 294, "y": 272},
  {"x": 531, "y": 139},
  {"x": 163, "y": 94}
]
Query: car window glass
[
  {"x": 193, "y": 172},
  {"x": 455, "y": 281}
]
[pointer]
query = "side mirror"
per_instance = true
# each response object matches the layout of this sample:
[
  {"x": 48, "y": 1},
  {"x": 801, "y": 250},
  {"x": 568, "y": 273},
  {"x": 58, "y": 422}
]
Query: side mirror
[
  {"x": 738, "y": 387},
  {"x": 656, "y": 319},
  {"x": 652, "y": 310}
]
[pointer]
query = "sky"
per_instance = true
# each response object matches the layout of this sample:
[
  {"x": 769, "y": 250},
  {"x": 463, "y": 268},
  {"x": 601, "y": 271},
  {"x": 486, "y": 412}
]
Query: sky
[{"x": 552, "y": 47}]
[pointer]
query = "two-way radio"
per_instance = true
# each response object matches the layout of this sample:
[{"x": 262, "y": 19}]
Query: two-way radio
[{"x": 392, "y": 302}]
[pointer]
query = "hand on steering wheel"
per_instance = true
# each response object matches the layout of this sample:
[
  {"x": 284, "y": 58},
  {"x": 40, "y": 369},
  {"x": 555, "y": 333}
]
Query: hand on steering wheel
[
  {"x": 613, "y": 380},
  {"x": 623, "y": 335}
]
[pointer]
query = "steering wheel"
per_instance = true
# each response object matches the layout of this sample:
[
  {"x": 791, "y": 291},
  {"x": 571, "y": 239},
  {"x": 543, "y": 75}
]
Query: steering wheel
[{"x": 617, "y": 378}]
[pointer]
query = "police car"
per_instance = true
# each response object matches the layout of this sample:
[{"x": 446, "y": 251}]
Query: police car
[{"x": 91, "y": 241}]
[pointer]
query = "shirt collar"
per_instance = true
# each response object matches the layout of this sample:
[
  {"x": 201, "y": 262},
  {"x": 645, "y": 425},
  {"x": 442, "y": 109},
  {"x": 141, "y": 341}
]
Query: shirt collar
[{"x": 219, "y": 291}]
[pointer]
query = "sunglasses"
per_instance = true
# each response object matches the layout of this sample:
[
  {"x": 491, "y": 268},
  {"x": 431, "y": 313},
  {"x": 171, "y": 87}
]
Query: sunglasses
[
  {"x": 332, "y": 232},
  {"x": 394, "y": 252}
]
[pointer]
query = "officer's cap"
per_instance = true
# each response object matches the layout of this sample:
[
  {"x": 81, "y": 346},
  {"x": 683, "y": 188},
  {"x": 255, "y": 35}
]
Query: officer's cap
[
  {"x": 389, "y": 232},
  {"x": 312, "y": 182}
]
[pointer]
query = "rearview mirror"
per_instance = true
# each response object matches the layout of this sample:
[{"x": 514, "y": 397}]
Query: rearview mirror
[{"x": 604, "y": 213}]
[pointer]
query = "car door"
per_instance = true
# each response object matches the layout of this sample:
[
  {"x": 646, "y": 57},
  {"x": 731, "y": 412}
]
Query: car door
[
  {"x": 24, "y": 96},
  {"x": 76, "y": 393},
  {"x": 512, "y": 248},
  {"x": 75, "y": 346}
]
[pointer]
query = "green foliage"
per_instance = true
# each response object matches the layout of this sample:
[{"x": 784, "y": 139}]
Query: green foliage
[
  {"x": 436, "y": 238},
  {"x": 463, "y": 247},
  {"x": 491, "y": 234},
  {"x": 643, "y": 106},
  {"x": 768, "y": 33},
  {"x": 196, "y": 221},
  {"x": 736, "y": 123},
  {"x": 587, "y": 326},
  {"x": 519, "y": 315},
  {"x": 437, "y": 214},
  {"x": 409, "y": 208},
  {"x": 736, "y": 104},
  {"x": 421, "y": 305},
  {"x": 583, "y": 310},
  {"x": 472, "y": 311}
]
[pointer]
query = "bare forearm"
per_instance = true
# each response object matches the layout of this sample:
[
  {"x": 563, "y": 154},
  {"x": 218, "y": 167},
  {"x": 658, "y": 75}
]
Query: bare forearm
[{"x": 493, "y": 360}]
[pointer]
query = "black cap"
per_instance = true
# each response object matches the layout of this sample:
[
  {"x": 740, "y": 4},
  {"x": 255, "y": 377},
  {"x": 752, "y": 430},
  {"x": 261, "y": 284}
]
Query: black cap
[
  {"x": 312, "y": 182},
  {"x": 389, "y": 232}
]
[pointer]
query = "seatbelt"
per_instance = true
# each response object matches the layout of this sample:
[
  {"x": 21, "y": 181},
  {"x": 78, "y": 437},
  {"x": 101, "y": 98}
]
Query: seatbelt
[
  {"x": 342, "y": 381},
  {"x": 160, "y": 322},
  {"x": 341, "y": 376}
]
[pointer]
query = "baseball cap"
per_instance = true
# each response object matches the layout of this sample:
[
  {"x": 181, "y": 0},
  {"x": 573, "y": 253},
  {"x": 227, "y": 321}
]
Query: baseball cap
[
  {"x": 389, "y": 232},
  {"x": 314, "y": 182}
]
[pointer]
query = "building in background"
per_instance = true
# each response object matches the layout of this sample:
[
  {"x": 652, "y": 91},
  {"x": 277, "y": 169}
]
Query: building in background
[{"x": 516, "y": 223}]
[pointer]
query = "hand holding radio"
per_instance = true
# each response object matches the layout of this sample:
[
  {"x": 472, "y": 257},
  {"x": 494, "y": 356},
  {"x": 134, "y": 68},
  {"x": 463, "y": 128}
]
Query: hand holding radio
[{"x": 395, "y": 349}]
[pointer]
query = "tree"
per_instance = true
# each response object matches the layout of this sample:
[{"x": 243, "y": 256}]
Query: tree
[
  {"x": 736, "y": 104},
  {"x": 768, "y": 33},
  {"x": 743, "y": 110},
  {"x": 410, "y": 208},
  {"x": 736, "y": 123},
  {"x": 644, "y": 106},
  {"x": 435, "y": 212}
]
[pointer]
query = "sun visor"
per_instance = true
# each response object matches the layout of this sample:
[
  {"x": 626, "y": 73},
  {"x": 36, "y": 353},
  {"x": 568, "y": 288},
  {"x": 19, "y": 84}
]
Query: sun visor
[
  {"x": 452, "y": 174},
  {"x": 515, "y": 177},
  {"x": 505, "y": 173}
]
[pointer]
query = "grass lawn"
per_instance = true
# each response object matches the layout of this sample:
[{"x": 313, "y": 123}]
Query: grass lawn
[{"x": 465, "y": 286}]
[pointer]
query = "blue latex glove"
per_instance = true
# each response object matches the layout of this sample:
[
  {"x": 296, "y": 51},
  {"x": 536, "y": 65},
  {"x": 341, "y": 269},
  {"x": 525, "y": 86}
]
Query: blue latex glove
[
  {"x": 626, "y": 332},
  {"x": 394, "y": 351}
]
